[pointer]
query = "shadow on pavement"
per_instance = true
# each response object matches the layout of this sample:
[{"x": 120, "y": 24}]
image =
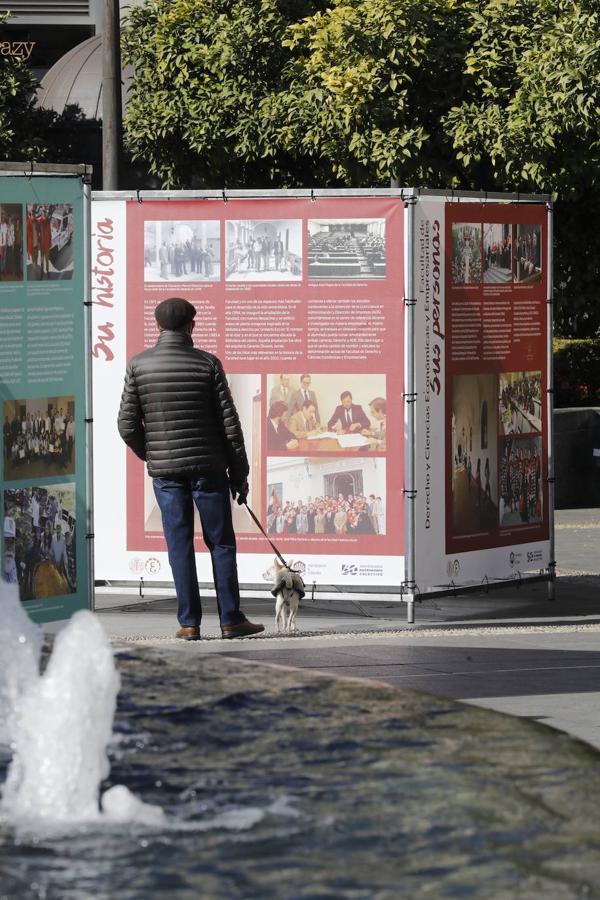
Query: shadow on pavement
[{"x": 458, "y": 672}]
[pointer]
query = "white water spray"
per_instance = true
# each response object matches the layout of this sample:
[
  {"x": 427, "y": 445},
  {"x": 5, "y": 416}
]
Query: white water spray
[
  {"x": 59, "y": 724},
  {"x": 20, "y": 648}
]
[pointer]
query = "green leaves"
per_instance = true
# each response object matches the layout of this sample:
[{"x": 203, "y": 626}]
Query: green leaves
[
  {"x": 218, "y": 64},
  {"x": 496, "y": 95},
  {"x": 22, "y": 126},
  {"x": 332, "y": 92}
]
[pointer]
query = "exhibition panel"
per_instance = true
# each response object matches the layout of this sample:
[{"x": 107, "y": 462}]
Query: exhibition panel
[
  {"x": 388, "y": 354},
  {"x": 301, "y": 297},
  {"x": 45, "y": 387}
]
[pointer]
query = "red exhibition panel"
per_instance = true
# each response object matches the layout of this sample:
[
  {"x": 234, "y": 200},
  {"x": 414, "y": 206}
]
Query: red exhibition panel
[
  {"x": 303, "y": 302},
  {"x": 496, "y": 375}
]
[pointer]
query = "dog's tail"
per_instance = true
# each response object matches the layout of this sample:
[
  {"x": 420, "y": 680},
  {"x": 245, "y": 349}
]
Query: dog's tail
[{"x": 288, "y": 580}]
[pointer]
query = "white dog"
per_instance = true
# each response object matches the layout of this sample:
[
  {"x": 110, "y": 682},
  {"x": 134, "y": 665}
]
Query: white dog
[{"x": 288, "y": 590}]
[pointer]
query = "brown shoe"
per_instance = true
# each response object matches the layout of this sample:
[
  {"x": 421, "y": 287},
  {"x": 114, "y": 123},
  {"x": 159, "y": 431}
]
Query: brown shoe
[
  {"x": 242, "y": 629},
  {"x": 189, "y": 633}
]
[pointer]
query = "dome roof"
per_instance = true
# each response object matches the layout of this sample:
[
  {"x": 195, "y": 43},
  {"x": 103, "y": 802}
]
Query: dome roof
[{"x": 77, "y": 78}]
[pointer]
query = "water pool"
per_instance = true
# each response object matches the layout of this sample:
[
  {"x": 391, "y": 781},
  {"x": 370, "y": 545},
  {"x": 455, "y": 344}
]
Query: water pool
[{"x": 282, "y": 784}]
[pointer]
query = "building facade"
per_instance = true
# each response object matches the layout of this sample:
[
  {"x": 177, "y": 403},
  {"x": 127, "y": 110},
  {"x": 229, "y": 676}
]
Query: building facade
[{"x": 42, "y": 31}]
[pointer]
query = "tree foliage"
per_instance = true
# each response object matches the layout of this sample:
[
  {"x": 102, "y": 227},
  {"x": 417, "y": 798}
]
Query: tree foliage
[
  {"x": 533, "y": 116},
  {"x": 268, "y": 91},
  {"x": 22, "y": 136},
  {"x": 496, "y": 95},
  {"x": 368, "y": 85},
  {"x": 531, "y": 122},
  {"x": 203, "y": 68}
]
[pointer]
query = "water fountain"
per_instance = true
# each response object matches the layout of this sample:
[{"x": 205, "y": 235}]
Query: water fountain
[
  {"x": 20, "y": 648},
  {"x": 269, "y": 783},
  {"x": 58, "y": 724}
]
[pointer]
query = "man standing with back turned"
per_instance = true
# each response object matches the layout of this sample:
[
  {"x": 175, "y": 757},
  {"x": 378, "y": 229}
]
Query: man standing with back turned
[{"x": 177, "y": 414}]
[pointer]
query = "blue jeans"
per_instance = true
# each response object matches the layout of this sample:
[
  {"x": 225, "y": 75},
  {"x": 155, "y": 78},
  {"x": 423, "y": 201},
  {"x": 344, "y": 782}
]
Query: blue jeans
[{"x": 176, "y": 498}]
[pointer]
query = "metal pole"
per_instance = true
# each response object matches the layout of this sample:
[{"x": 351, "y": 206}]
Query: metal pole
[
  {"x": 410, "y": 412},
  {"x": 111, "y": 95},
  {"x": 550, "y": 404},
  {"x": 89, "y": 450}
]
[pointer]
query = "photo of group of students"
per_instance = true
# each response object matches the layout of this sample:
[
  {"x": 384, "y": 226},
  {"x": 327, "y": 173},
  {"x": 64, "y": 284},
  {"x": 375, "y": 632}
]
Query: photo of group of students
[
  {"x": 182, "y": 250},
  {"x": 308, "y": 496},
  {"x": 496, "y": 477},
  {"x": 39, "y": 540},
  {"x": 264, "y": 250},
  {"x": 521, "y": 481},
  {"x": 49, "y": 236},
  {"x": 328, "y": 515},
  {"x": 11, "y": 242},
  {"x": 320, "y": 413},
  {"x": 39, "y": 437},
  {"x": 495, "y": 253},
  {"x": 346, "y": 248},
  {"x": 520, "y": 402}
]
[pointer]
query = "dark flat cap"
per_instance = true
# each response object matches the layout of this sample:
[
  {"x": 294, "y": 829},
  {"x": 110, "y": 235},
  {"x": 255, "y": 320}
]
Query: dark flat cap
[{"x": 174, "y": 313}]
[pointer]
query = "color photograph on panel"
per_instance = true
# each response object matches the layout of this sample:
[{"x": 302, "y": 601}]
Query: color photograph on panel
[
  {"x": 11, "y": 242},
  {"x": 497, "y": 254},
  {"x": 326, "y": 412},
  {"x": 39, "y": 540},
  {"x": 466, "y": 253},
  {"x": 474, "y": 454},
  {"x": 520, "y": 481},
  {"x": 39, "y": 437},
  {"x": 326, "y": 496},
  {"x": 528, "y": 254},
  {"x": 520, "y": 402},
  {"x": 49, "y": 234}
]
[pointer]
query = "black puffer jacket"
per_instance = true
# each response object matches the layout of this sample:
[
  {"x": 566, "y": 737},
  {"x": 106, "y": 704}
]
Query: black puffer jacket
[{"x": 177, "y": 412}]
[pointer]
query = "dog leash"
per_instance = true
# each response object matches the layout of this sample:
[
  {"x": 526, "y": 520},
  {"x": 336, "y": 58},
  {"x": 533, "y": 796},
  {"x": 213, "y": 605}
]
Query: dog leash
[{"x": 275, "y": 550}]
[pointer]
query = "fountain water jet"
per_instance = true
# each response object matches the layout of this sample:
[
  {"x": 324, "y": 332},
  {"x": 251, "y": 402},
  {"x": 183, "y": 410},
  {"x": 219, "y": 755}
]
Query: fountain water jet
[
  {"x": 20, "y": 648},
  {"x": 59, "y": 725}
]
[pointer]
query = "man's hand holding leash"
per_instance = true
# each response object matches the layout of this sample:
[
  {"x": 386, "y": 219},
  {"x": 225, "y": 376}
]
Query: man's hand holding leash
[{"x": 239, "y": 492}]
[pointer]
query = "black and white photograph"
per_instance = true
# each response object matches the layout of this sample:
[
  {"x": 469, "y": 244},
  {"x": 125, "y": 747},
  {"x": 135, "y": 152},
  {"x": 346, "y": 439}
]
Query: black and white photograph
[
  {"x": 346, "y": 248},
  {"x": 520, "y": 481},
  {"x": 474, "y": 462},
  {"x": 39, "y": 437},
  {"x": 264, "y": 250},
  {"x": 11, "y": 242},
  {"x": 332, "y": 413},
  {"x": 39, "y": 540},
  {"x": 326, "y": 496},
  {"x": 49, "y": 235},
  {"x": 182, "y": 251},
  {"x": 528, "y": 254},
  {"x": 497, "y": 254},
  {"x": 466, "y": 253},
  {"x": 520, "y": 402}
]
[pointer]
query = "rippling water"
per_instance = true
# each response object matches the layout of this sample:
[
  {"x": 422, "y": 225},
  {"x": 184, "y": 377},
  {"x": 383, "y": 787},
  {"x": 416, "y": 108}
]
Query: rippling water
[{"x": 277, "y": 784}]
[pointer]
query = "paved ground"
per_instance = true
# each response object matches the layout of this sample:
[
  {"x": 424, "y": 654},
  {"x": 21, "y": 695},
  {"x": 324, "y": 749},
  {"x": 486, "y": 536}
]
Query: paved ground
[{"x": 510, "y": 650}]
